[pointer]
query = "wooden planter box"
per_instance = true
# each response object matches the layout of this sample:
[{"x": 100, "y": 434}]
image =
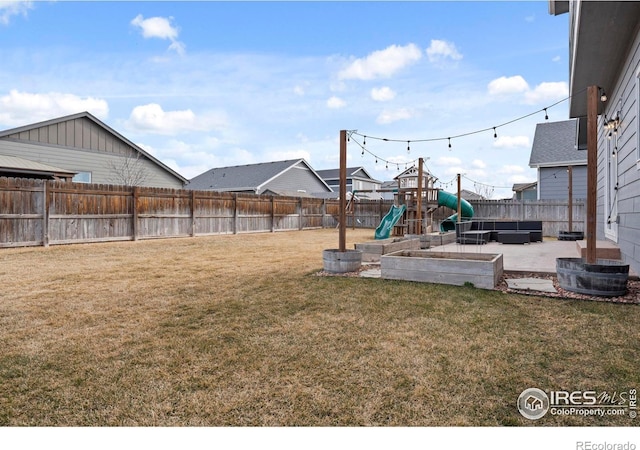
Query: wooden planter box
[
  {"x": 371, "y": 251},
  {"x": 483, "y": 270}
]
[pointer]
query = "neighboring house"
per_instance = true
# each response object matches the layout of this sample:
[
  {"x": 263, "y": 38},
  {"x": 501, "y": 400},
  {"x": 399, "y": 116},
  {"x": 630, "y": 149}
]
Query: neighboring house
[
  {"x": 525, "y": 191},
  {"x": 604, "y": 50},
  {"x": 358, "y": 181},
  {"x": 388, "y": 188},
  {"x": 293, "y": 177},
  {"x": 469, "y": 195},
  {"x": 555, "y": 148},
  {"x": 94, "y": 152}
]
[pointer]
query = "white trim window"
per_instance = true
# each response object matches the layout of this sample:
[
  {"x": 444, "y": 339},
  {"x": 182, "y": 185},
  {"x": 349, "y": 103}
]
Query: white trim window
[{"x": 82, "y": 177}]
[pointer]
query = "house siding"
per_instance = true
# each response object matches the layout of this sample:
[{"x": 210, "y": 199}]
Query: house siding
[
  {"x": 100, "y": 164},
  {"x": 554, "y": 183},
  {"x": 623, "y": 98}
]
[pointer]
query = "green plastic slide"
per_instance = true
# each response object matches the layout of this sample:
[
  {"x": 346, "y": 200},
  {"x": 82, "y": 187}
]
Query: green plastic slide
[
  {"x": 389, "y": 220},
  {"x": 451, "y": 201}
]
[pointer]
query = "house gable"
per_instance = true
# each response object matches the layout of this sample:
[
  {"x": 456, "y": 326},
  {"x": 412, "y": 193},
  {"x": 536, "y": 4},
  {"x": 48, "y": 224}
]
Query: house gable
[{"x": 82, "y": 143}]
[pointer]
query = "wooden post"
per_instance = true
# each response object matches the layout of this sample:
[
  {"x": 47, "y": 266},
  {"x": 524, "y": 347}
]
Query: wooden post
[
  {"x": 134, "y": 218},
  {"x": 342, "y": 233},
  {"x": 273, "y": 214},
  {"x": 570, "y": 175},
  {"x": 45, "y": 214},
  {"x": 419, "y": 206},
  {"x": 235, "y": 213},
  {"x": 459, "y": 201},
  {"x": 592, "y": 171},
  {"x": 301, "y": 215},
  {"x": 193, "y": 213}
]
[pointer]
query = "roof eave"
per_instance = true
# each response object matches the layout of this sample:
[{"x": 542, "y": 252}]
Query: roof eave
[{"x": 600, "y": 39}]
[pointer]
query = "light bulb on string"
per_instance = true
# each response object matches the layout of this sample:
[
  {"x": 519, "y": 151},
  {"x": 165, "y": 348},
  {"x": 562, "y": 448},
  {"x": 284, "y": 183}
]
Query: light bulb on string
[
  {"x": 495, "y": 133},
  {"x": 449, "y": 144},
  {"x": 364, "y": 141},
  {"x": 386, "y": 166},
  {"x": 546, "y": 116},
  {"x": 408, "y": 147}
]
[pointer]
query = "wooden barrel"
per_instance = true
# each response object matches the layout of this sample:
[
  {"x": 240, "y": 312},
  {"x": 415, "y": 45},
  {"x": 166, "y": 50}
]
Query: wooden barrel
[
  {"x": 605, "y": 278},
  {"x": 335, "y": 261}
]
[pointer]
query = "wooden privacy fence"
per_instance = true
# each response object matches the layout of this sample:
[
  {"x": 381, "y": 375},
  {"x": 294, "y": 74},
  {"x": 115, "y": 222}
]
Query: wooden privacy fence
[{"x": 39, "y": 212}]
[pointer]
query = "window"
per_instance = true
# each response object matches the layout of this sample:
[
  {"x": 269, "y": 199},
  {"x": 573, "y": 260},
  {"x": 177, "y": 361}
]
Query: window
[{"x": 82, "y": 177}]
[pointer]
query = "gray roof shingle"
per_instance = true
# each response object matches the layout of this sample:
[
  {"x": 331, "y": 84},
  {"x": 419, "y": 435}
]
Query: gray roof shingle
[
  {"x": 240, "y": 178},
  {"x": 554, "y": 144}
]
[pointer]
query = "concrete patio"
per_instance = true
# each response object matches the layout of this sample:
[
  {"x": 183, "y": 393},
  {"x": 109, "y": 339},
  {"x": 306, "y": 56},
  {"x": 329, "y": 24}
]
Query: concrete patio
[{"x": 538, "y": 258}]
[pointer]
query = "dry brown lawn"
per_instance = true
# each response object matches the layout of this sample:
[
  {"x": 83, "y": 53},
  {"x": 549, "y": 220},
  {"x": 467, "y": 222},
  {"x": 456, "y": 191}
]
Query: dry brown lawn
[{"x": 239, "y": 330}]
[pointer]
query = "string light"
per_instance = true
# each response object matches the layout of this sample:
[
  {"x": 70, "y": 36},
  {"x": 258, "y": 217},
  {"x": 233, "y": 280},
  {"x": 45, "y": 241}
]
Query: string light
[
  {"x": 449, "y": 144},
  {"x": 408, "y": 147},
  {"x": 494, "y": 128}
]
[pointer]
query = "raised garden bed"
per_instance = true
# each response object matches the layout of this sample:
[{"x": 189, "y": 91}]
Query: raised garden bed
[{"x": 482, "y": 270}]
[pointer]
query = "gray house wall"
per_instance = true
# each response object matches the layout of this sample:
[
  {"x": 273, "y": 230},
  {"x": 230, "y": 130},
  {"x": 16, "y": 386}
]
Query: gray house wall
[
  {"x": 553, "y": 183},
  {"x": 82, "y": 145},
  {"x": 625, "y": 97},
  {"x": 295, "y": 179},
  {"x": 101, "y": 165}
]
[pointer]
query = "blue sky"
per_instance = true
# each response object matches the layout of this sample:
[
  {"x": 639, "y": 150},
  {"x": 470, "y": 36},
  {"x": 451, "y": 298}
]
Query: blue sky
[{"x": 209, "y": 84}]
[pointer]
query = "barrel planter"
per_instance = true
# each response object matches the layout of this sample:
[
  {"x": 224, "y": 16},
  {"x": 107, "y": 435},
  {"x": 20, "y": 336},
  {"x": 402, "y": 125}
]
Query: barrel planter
[
  {"x": 605, "y": 278},
  {"x": 335, "y": 261},
  {"x": 571, "y": 236}
]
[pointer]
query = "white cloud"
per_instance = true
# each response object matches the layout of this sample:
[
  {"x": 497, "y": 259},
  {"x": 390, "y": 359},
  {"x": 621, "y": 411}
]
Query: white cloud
[
  {"x": 448, "y": 161},
  {"x": 298, "y": 90},
  {"x": 152, "y": 118},
  {"x": 547, "y": 91},
  {"x": 10, "y": 8},
  {"x": 390, "y": 116},
  {"x": 508, "y": 85},
  {"x": 382, "y": 63},
  {"x": 336, "y": 103},
  {"x": 479, "y": 164},
  {"x": 160, "y": 28},
  {"x": 440, "y": 51},
  {"x": 556, "y": 59},
  {"x": 511, "y": 142},
  {"x": 382, "y": 94},
  {"x": 20, "y": 108}
]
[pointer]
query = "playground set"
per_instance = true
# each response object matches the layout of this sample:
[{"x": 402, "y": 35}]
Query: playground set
[{"x": 415, "y": 200}]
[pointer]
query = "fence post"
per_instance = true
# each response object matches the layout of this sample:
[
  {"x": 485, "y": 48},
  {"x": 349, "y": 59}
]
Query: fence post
[
  {"x": 45, "y": 214},
  {"x": 235, "y": 213},
  {"x": 135, "y": 213},
  {"x": 323, "y": 210},
  {"x": 273, "y": 214},
  {"x": 301, "y": 215},
  {"x": 193, "y": 213}
]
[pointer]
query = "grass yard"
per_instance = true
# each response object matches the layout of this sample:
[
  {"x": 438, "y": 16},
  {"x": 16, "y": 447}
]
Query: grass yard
[{"x": 239, "y": 330}]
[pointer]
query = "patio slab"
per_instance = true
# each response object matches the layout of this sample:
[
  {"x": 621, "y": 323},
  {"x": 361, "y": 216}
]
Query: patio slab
[{"x": 531, "y": 284}]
